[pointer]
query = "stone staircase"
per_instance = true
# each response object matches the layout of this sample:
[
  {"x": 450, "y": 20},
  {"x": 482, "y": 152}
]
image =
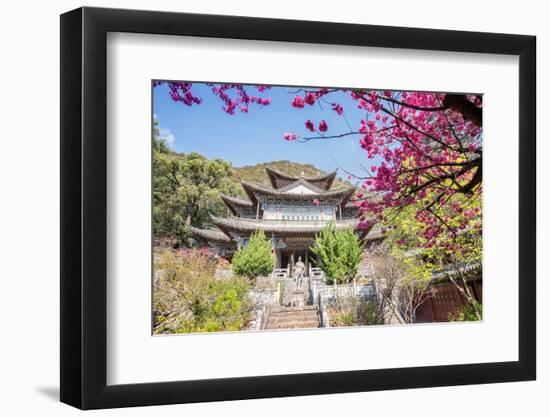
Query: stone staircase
[
  {"x": 294, "y": 313},
  {"x": 280, "y": 317}
]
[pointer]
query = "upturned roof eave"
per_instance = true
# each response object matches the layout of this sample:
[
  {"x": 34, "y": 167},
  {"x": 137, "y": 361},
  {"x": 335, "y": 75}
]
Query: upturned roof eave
[
  {"x": 253, "y": 189},
  {"x": 233, "y": 202},
  {"x": 210, "y": 235},
  {"x": 303, "y": 182},
  {"x": 228, "y": 225},
  {"x": 275, "y": 174},
  {"x": 236, "y": 201}
]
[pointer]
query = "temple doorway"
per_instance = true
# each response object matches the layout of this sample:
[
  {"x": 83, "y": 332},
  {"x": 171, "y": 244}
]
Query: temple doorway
[{"x": 290, "y": 257}]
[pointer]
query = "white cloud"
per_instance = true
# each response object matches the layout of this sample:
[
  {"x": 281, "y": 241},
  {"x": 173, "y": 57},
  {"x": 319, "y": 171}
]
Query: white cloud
[{"x": 168, "y": 136}]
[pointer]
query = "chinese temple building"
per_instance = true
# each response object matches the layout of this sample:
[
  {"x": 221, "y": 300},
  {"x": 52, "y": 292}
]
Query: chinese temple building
[{"x": 291, "y": 213}]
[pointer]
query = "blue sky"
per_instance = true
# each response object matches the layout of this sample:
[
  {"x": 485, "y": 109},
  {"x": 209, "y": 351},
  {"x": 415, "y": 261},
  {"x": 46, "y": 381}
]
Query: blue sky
[{"x": 257, "y": 136}]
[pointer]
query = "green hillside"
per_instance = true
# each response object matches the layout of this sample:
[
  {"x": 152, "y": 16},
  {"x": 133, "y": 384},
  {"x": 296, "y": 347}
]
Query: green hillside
[{"x": 257, "y": 172}]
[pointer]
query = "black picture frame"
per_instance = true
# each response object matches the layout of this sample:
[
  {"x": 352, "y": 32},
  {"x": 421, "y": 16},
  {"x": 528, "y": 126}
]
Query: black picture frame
[{"x": 84, "y": 207}]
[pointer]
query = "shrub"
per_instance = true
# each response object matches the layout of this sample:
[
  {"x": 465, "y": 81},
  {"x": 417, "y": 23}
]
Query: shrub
[
  {"x": 188, "y": 298},
  {"x": 354, "y": 311},
  {"x": 470, "y": 312},
  {"x": 402, "y": 281},
  {"x": 231, "y": 305},
  {"x": 255, "y": 259},
  {"x": 340, "y": 252}
]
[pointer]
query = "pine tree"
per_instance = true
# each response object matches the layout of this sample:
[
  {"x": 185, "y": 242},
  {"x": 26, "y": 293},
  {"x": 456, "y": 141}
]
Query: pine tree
[
  {"x": 340, "y": 252},
  {"x": 255, "y": 259}
]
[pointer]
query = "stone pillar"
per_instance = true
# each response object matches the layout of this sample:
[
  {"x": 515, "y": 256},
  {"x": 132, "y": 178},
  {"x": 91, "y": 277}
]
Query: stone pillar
[
  {"x": 307, "y": 263},
  {"x": 292, "y": 263},
  {"x": 287, "y": 266}
]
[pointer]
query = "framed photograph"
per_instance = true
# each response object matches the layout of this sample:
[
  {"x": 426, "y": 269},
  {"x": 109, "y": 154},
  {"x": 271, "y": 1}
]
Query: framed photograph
[{"x": 257, "y": 208}]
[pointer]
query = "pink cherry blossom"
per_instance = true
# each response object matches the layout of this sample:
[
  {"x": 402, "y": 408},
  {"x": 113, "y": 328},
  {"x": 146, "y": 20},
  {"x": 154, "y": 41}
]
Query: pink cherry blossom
[
  {"x": 338, "y": 108},
  {"x": 289, "y": 136},
  {"x": 310, "y": 126},
  {"x": 298, "y": 102},
  {"x": 310, "y": 98},
  {"x": 323, "y": 126}
]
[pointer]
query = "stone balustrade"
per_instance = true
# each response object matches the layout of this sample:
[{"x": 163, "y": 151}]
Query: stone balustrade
[
  {"x": 365, "y": 291},
  {"x": 264, "y": 296}
]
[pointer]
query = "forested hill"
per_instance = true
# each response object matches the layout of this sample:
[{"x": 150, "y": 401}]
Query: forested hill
[{"x": 257, "y": 172}]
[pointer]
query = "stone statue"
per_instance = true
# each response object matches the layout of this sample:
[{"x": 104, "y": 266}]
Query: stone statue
[{"x": 299, "y": 272}]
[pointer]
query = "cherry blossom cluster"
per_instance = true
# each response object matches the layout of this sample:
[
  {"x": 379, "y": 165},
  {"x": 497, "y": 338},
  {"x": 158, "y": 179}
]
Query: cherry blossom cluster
[
  {"x": 233, "y": 96},
  {"x": 310, "y": 98}
]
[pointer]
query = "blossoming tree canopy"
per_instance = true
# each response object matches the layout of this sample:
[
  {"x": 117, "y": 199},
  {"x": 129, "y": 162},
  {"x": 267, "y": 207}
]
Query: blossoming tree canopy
[
  {"x": 429, "y": 148},
  {"x": 426, "y": 148}
]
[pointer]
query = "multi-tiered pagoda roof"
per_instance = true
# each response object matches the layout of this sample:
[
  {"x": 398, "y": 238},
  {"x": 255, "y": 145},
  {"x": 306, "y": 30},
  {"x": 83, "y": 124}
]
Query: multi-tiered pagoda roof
[{"x": 293, "y": 207}]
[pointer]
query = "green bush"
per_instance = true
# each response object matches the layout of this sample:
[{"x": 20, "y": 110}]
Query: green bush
[
  {"x": 470, "y": 312},
  {"x": 255, "y": 259},
  {"x": 231, "y": 305},
  {"x": 353, "y": 311},
  {"x": 187, "y": 297},
  {"x": 340, "y": 252}
]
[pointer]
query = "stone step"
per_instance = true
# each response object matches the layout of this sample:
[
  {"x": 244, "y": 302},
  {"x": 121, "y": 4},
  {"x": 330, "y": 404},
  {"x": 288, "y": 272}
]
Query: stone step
[
  {"x": 277, "y": 320},
  {"x": 282, "y": 309},
  {"x": 294, "y": 311},
  {"x": 292, "y": 318},
  {"x": 294, "y": 325},
  {"x": 309, "y": 313},
  {"x": 282, "y": 323}
]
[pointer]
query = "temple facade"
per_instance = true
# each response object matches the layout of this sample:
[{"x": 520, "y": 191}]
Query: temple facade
[{"x": 291, "y": 213}]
